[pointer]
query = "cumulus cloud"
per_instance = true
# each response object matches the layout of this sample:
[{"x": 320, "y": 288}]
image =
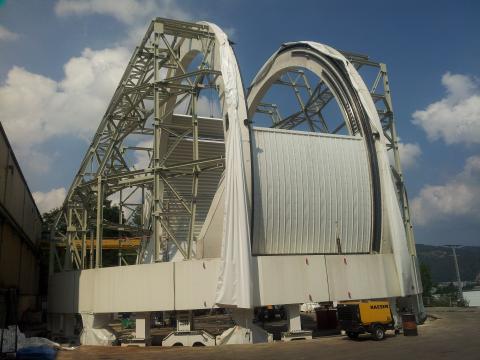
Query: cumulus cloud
[
  {"x": 142, "y": 157},
  {"x": 230, "y": 31},
  {"x": 206, "y": 106},
  {"x": 7, "y": 35},
  {"x": 136, "y": 14},
  {"x": 409, "y": 154},
  {"x": 35, "y": 108},
  {"x": 126, "y": 11},
  {"x": 49, "y": 200},
  {"x": 458, "y": 197},
  {"x": 455, "y": 118}
]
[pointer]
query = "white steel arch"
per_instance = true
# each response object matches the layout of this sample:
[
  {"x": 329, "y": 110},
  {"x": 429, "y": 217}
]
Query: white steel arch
[
  {"x": 197, "y": 187},
  {"x": 361, "y": 117}
]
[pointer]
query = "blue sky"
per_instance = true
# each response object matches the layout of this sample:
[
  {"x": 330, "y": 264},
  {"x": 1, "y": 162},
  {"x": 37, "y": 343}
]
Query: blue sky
[{"x": 54, "y": 87}]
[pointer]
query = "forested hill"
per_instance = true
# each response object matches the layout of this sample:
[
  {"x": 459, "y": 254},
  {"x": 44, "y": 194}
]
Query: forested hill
[{"x": 440, "y": 262}]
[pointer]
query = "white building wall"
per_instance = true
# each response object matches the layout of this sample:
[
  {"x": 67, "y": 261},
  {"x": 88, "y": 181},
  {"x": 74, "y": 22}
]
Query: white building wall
[{"x": 473, "y": 297}]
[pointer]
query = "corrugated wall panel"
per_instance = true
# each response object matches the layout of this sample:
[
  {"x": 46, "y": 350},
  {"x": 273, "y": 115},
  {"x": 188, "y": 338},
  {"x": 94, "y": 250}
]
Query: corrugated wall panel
[
  {"x": 309, "y": 189},
  {"x": 207, "y": 186}
]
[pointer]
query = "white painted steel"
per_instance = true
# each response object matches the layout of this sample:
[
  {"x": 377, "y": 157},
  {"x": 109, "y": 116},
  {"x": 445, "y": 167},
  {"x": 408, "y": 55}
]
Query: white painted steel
[
  {"x": 114, "y": 289},
  {"x": 291, "y": 279},
  {"x": 195, "y": 284},
  {"x": 310, "y": 189},
  {"x": 191, "y": 284},
  {"x": 210, "y": 238},
  {"x": 189, "y": 338},
  {"x": 393, "y": 232},
  {"x": 362, "y": 277}
]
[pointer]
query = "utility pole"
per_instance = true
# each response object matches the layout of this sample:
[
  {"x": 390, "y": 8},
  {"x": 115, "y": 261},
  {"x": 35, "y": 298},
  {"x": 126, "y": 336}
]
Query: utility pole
[{"x": 459, "y": 281}]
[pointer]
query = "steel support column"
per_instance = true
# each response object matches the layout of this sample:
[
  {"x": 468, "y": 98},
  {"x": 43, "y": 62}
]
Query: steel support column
[{"x": 99, "y": 225}]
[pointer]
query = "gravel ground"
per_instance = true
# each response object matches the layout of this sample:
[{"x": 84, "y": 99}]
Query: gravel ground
[{"x": 448, "y": 334}]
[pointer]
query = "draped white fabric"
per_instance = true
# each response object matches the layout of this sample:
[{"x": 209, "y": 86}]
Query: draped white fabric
[{"x": 234, "y": 287}]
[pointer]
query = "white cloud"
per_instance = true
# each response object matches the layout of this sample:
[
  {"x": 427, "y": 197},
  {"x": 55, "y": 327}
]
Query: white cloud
[
  {"x": 207, "y": 106},
  {"x": 49, "y": 200},
  {"x": 458, "y": 197},
  {"x": 456, "y": 117},
  {"x": 409, "y": 154},
  {"x": 7, "y": 35},
  {"x": 36, "y": 161},
  {"x": 35, "y": 108},
  {"x": 135, "y": 14},
  {"x": 230, "y": 31},
  {"x": 142, "y": 157},
  {"x": 126, "y": 11}
]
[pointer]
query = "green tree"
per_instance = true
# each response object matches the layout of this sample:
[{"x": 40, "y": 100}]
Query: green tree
[
  {"x": 426, "y": 276},
  {"x": 49, "y": 218}
]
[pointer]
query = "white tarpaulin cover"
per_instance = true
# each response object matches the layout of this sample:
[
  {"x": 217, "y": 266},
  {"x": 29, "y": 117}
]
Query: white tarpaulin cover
[
  {"x": 234, "y": 286},
  {"x": 96, "y": 330},
  {"x": 8, "y": 341}
]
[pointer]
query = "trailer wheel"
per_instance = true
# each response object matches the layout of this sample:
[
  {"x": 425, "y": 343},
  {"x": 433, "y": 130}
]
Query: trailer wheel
[
  {"x": 378, "y": 332},
  {"x": 352, "y": 335}
]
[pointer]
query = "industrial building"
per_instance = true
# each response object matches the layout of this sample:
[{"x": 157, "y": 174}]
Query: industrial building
[
  {"x": 20, "y": 232},
  {"x": 235, "y": 210}
]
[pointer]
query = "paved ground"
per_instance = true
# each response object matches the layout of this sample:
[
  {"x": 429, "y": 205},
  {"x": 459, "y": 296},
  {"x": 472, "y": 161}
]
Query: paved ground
[{"x": 454, "y": 335}]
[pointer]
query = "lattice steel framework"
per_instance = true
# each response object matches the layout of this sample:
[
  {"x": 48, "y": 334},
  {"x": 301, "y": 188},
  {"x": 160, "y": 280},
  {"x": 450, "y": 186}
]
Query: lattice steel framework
[
  {"x": 160, "y": 198},
  {"x": 156, "y": 81}
]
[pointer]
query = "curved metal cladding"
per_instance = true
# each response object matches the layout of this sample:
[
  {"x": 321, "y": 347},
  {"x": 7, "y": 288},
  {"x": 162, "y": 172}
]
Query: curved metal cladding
[
  {"x": 310, "y": 190},
  {"x": 314, "y": 193}
]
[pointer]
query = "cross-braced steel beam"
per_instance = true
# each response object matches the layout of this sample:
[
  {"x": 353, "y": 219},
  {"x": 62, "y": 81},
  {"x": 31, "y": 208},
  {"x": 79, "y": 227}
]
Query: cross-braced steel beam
[{"x": 153, "y": 197}]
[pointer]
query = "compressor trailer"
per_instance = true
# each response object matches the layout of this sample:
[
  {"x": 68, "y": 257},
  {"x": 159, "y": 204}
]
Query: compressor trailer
[{"x": 361, "y": 317}]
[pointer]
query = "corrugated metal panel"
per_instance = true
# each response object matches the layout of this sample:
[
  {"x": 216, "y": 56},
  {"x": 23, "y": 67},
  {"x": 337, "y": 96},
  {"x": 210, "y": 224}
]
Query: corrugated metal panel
[
  {"x": 207, "y": 127},
  {"x": 310, "y": 189},
  {"x": 208, "y": 185}
]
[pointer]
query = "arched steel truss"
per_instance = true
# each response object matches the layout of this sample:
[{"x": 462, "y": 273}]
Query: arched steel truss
[
  {"x": 295, "y": 58},
  {"x": 166, "y": 194},
  {"x": 185, "y": 153}
]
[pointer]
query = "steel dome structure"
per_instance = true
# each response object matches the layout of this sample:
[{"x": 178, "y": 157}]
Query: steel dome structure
[{"x": 231, "y": 212}]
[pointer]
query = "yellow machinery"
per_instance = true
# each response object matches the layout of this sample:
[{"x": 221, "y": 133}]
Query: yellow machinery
[{"x": 358, "y": 317}]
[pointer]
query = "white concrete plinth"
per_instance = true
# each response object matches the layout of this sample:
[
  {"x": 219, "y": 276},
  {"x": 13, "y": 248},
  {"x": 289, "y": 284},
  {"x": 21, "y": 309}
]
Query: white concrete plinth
[{"x": 142, "y": 328}]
